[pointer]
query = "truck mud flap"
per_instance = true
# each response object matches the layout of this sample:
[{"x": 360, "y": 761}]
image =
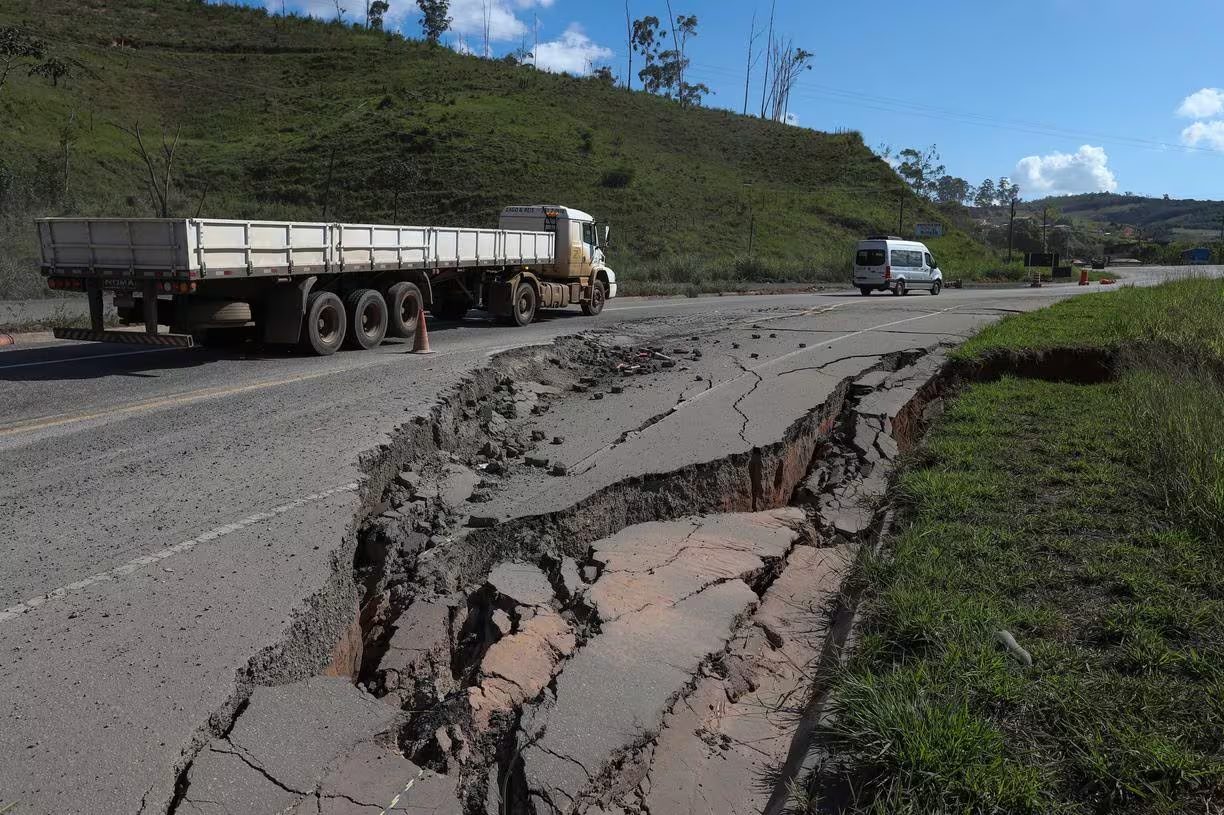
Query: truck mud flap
[{"x": 125, "y": 337}]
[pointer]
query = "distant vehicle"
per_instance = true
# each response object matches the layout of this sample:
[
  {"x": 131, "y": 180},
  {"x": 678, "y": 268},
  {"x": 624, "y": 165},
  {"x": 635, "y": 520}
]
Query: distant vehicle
[
  {"x": 1100, "y": 263},
  {"x": 321, "y": 285},
  {"x": 889, "y": 263}
]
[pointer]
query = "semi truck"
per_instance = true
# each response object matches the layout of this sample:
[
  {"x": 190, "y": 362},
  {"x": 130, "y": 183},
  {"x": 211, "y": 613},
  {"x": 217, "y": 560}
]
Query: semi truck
[{"x": 321, "y": 286}]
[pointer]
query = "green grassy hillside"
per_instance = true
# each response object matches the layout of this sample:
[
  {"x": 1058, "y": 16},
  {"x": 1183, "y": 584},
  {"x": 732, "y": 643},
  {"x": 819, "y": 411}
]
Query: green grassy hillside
[
  {"x": 1179, "y": 217},
  {"x": 268, "y": 105}
]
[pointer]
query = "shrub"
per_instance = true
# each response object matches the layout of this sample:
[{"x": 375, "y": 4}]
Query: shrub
[{"x": 617, "y": 178}]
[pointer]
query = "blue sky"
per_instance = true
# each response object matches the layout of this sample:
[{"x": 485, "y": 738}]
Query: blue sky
[{"x": 1061, "y": 95}]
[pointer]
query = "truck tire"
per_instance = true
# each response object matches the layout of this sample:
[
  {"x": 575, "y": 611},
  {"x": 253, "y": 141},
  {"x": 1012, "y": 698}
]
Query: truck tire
[
  {"x": 599, "y": 296},
  {"x": 404, "y": 303},
  {"x": 523, "y": 309},
  {"x": 899, "y": 289},
  {"x": 367, "y": 317},
  {"x": 937, "y": 287},
  {"x": 865, "y": 291},
  {"x": 451, "y": 307},
  {"x": 324, "y": 325}
]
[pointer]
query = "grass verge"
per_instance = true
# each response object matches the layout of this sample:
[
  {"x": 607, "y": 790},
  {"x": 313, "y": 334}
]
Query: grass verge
[{"x": 1086, "y": 521}]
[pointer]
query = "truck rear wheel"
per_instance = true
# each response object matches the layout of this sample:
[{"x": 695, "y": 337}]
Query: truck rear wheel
[
  {"x": 599, "y": 296},
  {"x": 404, "y": 304},
  {"x": 367, "y": 317},
  {"x": 324, "y": 327},
  {"x": 523, "y": 311}
]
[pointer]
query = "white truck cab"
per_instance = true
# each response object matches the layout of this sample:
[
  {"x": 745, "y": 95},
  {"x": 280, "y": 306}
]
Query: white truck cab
[
  {"x": 580, "y": 240},
  {"x": 889, "y": 263}
]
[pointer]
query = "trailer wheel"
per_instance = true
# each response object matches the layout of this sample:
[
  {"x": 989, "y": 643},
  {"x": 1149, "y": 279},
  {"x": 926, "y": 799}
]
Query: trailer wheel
[
  {"x": 367, "y": 317},
  {"x": 523, "y": 311},
  {"x": 403, "y": 309},
  {"x": 324, "y": 326},
  {"x": 599, "y": 296}
]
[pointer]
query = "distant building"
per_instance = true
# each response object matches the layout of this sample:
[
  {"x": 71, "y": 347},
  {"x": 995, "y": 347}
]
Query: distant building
[{"x": 1199, "y": 256}]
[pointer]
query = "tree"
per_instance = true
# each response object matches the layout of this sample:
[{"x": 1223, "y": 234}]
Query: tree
[
  {"x": 18, "y": 48},
  {"x": 786, "y": 64},
  {"x": 435, "y": 18},
  {"x": 628, "y": 48},
  {"x": 952, "y": 190},
  {"x": 160, "y": 179},
  {"x": 986, "y": 193},
  {"x": 645, "y": 42},
  {"x": 753, "y": 35},
  {"x": 604, "y": 74},
  {"x": 1006, "y": 191},
  {"x": 921, "y": 170},
  {"x": 339, "y": 11},
  {"x": 375, "y": 12}
]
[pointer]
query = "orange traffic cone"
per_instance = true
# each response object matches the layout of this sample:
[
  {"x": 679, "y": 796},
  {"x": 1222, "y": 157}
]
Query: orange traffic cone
[
  {"x": 420, "y": 343},
  {"x": 1083, "y": 277}
]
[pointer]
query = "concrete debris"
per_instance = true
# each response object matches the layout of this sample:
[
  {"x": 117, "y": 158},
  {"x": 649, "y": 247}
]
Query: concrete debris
[
  {"x": 457, "y": 484},
  {"x": 517, "y": 668},
  {"x": 524, "y": 584},
  {"x": 416, "y": 669}
]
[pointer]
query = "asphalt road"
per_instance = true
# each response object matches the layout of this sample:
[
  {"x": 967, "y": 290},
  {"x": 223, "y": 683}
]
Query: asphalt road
[{"x": 166, "y": 513}]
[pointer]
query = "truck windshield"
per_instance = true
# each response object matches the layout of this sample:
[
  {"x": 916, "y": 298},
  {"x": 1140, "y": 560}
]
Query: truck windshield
[{"x": 869, "y": 257}]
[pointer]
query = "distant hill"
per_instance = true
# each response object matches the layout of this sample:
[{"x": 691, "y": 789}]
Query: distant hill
[
  {"x": 272, "y": 108},
  {"x": 1182, "y": 219}
]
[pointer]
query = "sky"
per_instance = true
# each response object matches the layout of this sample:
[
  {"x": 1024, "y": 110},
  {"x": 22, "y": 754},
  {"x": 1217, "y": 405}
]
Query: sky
[{"x": 1062, "y": 96}]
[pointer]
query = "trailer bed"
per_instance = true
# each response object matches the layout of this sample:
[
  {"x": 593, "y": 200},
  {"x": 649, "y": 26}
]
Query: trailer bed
[{"x": 200, "y": 249}]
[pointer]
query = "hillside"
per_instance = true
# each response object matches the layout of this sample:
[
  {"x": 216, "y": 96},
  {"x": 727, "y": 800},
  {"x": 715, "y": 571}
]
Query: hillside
[
  {"x": 1180, "y": 219},
  {"x": 269, "y": 108}
]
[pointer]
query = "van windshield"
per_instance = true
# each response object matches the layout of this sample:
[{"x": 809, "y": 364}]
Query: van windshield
[{"x": 869, "y": 257}]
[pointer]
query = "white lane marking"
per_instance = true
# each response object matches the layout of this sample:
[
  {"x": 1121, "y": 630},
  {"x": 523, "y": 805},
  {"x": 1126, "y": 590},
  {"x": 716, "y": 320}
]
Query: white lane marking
[
  {"x": 137, "y": 563},
  {"x": 79, "y": 359},
  {"x": 395, "y": 801}
]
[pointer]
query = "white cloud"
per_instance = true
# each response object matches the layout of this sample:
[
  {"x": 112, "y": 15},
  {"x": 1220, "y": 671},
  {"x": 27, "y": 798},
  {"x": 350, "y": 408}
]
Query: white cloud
[
  {"x": 468, "y": 20},
  {"x": 1202, "y": 104},
  {"x": 574, "y": 52},
  {"x": 1086, "y": 170},
  {"x": 792, "y": 119},
  {"x": 1209, "y": 133}
]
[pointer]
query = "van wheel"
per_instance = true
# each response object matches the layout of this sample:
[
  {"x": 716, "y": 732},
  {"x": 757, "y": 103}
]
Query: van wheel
[
  {"x": 324, "y": 325},
  {"x": 899, "y": 289},
  {"x": 403, "y": 309},
  {"x": 936, "y": 287},
  {"x": 865, "y": 291}
]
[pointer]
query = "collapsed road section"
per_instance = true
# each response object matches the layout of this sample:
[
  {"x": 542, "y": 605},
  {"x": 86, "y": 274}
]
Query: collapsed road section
[{"x": 556, "y": 614}]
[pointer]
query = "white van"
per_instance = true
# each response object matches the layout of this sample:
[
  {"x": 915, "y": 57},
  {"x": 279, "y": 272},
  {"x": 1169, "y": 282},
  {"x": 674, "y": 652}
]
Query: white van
[{"x": 888, "y": 263}]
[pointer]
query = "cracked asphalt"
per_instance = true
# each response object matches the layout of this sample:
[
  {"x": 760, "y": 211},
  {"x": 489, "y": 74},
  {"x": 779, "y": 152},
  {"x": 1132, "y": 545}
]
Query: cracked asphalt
[{"x": 171, "y": 515}]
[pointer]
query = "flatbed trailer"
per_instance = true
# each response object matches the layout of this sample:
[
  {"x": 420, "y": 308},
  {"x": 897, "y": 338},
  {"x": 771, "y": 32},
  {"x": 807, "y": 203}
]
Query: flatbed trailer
[{"x": 319, "y": 285}]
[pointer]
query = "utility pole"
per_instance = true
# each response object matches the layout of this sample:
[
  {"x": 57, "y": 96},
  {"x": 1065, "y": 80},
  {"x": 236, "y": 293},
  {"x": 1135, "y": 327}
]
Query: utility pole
[
  {"x": 901, "y": 218},
  {"x": 1010, "y": 226},
  {"x": 1045, "y": 220}
]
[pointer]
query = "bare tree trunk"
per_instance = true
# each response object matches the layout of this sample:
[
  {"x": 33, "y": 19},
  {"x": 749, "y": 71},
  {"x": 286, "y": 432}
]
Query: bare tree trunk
[
  {"x": 679, "y": 53},
  {"x": 628, "y": 48},
  {"x": 768, "y": 54},
  {"x": 752, "y": 36},
  {"x": 159, "y": 188}
]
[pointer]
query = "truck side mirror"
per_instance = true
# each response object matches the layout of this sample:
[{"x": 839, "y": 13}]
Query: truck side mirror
[{"x": 607, "y": 229}]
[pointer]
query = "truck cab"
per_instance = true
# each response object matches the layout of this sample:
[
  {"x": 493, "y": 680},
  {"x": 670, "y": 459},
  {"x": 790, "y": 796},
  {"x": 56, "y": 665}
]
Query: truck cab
[{"x": 580, "y": 241}]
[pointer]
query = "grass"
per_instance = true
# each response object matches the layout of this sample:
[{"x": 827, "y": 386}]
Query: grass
[
  {"x": 1086, "y": 521},
  {"x": 418, "y": 134}
]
